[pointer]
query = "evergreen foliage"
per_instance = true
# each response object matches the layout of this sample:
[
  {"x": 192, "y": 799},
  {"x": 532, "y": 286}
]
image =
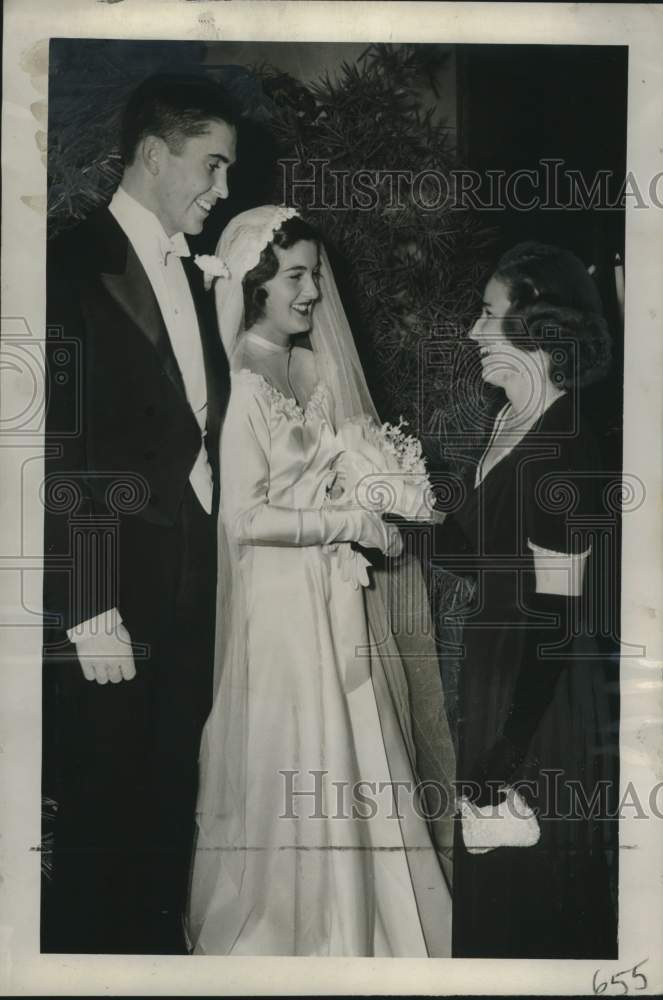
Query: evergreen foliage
[{"x": 410, "y": 276}]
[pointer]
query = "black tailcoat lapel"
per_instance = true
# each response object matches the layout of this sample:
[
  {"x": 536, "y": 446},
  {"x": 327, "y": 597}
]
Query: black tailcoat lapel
[{"x": 124, "y": 277}]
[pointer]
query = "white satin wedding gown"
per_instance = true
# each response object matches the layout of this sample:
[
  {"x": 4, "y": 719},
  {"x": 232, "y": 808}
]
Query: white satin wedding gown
[{"x": 299, "y": 874}]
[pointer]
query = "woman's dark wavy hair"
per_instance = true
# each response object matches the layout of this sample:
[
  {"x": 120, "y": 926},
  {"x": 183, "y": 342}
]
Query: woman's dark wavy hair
[
  {"x": 290, "y": 232},
  {"x": 555, "y": 307}
]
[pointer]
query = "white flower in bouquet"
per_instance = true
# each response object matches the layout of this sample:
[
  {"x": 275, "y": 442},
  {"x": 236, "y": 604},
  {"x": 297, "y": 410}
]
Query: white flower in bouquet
[{"x": 382, "y": 469}]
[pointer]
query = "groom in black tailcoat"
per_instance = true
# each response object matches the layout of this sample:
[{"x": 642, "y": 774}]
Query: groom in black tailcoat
[{"x": 137, "y": 386}]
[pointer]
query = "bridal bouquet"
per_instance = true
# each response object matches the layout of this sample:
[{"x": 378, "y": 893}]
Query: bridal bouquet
[{"x": 382, "y": 469}]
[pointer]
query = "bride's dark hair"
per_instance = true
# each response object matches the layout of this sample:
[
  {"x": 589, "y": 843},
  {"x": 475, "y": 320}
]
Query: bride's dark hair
[
  {"x": 555, "y": 307},
  {"x": 290, "y": 232}
]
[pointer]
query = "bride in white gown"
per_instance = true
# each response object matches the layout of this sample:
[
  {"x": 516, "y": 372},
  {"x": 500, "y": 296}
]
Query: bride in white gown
[{"x": 305, "y": 846}]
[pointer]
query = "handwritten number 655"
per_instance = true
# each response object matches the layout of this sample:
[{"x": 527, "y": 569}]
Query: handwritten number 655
[{"x": 617, "y": 979}]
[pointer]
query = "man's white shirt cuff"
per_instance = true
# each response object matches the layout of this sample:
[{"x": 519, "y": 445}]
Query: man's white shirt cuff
[
  {"x": 105, "y": 623},
  {"x": 559, "y": 573}
]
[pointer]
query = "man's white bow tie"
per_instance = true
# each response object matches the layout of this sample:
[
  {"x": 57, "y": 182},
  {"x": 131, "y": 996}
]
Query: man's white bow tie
[{"x": 177, "y": 245}]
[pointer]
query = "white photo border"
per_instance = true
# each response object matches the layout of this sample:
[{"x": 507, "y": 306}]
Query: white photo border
[{"x": 29, "y": 24}]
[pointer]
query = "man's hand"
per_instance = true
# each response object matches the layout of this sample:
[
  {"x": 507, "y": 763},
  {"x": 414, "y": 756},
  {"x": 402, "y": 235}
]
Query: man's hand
[{"x": 107, "y": 656}]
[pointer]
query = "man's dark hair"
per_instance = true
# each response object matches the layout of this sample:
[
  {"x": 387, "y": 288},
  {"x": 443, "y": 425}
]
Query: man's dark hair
[{"x": 174, "y": 107}]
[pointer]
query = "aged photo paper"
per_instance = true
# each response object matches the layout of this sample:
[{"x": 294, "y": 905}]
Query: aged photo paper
[{"x": 540, "y": 122}]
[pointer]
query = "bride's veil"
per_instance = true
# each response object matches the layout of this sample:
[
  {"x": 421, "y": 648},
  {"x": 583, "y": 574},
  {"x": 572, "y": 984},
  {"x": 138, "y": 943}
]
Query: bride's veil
[{"x": 404, "y": 665}]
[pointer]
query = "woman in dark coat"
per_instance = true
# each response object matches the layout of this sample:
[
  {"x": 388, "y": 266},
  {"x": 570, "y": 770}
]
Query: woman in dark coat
[{"x": 533, "y": 689}]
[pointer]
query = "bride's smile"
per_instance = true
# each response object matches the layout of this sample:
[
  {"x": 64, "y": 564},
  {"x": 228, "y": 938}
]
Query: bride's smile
[{"x": 291, "y": 293}]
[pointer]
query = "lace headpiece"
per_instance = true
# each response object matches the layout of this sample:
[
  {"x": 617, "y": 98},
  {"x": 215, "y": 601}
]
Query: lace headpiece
[{"x": 241, "y": 244}]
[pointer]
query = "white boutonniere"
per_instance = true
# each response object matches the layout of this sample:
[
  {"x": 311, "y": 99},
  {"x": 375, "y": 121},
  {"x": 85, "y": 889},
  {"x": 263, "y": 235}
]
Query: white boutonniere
[{"x": 213, "y": 267}]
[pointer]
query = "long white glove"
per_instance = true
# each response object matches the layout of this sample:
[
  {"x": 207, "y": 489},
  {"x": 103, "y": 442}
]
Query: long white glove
[
  {"x": 250, "y": 517},
  {"x": 266, "y": 524},
  {"x": 329, "y": 525}
]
